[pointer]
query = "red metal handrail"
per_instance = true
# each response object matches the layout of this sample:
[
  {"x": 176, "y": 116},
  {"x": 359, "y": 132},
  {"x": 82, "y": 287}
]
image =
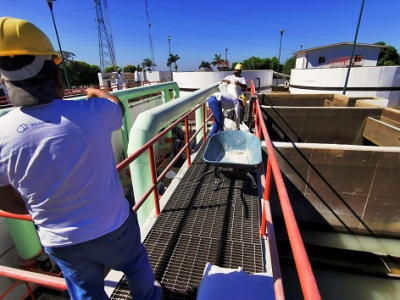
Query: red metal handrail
[
  {"x": 149, "y": 146},
  {"x": 304, "y": 271},
  {"x": 48, "y": 281}
]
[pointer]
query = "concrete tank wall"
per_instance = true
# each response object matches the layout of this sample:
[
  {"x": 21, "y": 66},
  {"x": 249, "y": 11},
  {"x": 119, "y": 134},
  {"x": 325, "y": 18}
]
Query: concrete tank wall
[
  {"x": 319, "y": 100},
  {"x": 335, "y": 125},
  {"x": 350, "y": 189}
]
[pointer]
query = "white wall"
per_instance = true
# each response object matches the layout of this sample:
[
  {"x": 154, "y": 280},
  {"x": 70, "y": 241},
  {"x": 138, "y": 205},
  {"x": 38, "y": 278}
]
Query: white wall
[
  {"x": 198, "y": 80},
  {"x": 332, "y": 81},
  {"x": 161, "y": 76}
]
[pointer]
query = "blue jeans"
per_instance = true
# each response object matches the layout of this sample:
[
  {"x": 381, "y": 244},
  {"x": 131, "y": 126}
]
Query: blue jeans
[
  {"x": 83, "y": 264},
  {"x": 216, "y": 109}
]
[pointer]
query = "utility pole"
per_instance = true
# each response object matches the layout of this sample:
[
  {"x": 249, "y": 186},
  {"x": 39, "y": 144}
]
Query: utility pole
[
  {"x": 352, "y": 51},
  {"x": 170, "y": 66},
  {"x": 50, "y": 3},
  {"x": 279, "y": 62}
]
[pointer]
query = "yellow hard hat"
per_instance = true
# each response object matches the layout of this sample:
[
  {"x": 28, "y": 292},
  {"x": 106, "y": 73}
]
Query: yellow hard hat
[
  {"x": 239, "y": 67},
  {"x": 243, "y": 99},
  {"x": 20, "y": 37}
]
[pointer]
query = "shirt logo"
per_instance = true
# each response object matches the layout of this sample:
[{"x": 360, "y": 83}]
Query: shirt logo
[{"x": 22, "y": 128}]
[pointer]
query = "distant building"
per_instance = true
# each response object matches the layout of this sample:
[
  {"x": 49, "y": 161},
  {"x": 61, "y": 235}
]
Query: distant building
[
  {"x": 338, "y": 56},
  {"x": 324, "y": 70}
]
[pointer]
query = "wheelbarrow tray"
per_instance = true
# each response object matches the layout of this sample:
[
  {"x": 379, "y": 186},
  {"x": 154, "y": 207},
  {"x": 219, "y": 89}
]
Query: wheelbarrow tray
[{"x": 233, "y": 149}]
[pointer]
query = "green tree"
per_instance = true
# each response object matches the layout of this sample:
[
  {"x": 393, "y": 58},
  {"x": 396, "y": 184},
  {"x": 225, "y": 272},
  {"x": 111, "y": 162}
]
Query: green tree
[
  {"x": 256, "y": 63},
  {"x": 172, "y": 59},
  {"x": 265, "y": 63},
  {"x": 148, "y": 63},
  {"x": 388, "y": 56},
  {"x": 110, "y": 69},
  {"x": 252, "y": 63},
  {"x": 205, "y": 65},
  {"x": 275, "y": 64},
  {"x": 68, "y": 56},
  {"x": 130, "y": 68},
  {"x": 94, "y": 70},
  {"x": 289, "y": 65},
  {"x": 81, "y": 73}
]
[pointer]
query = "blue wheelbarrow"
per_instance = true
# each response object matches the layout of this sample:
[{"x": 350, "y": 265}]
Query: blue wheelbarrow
[{"x": 233, "y": 149}]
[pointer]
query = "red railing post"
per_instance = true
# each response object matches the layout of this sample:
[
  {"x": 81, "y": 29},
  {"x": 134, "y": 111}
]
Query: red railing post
[
  {"x": 266, "y": 195},
  {"x": 187, "y": 142},
  {"x": 204, "y": 119},
  {"x": 154, "y": 179},
  {"x": 30, "y": 292}
]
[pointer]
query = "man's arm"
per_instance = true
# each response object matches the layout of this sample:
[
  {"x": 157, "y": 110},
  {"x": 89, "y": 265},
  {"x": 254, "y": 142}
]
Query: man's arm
[
  {"x": 226, "y": 79},
  {"x": 92, "y": 92},
  {"x": 242, "y": 85},
  {"x": 11, "y": 201}
]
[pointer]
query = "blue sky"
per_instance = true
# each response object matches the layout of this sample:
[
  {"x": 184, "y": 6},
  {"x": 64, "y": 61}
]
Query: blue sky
[{"x": 201, "y": 29}]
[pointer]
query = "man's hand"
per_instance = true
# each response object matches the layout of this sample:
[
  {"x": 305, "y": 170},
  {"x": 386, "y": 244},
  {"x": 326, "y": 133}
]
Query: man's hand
[
  {"x": 96, "y": 93},
  {"x": 11, "y": 201}
]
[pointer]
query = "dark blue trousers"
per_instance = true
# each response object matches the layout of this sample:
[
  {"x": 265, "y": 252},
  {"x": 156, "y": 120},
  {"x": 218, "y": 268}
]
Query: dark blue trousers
[
  {"x": 216, "y": 109},
  {"x": 83, "y": 264}
]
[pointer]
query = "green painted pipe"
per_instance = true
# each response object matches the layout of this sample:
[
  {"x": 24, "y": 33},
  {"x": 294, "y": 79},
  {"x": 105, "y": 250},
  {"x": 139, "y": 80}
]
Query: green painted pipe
[
  {"x": 147, "y": 126},
  {"x": 199, "y": 123},
  {"x": 25, "y": 238}
]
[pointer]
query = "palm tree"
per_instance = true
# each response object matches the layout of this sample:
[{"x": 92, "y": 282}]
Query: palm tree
[
  {"x": 172, "y": 59},
  {"x": 148, "y": 63},
  {"x": 218, "y": 61},
  {"x": 205, "y": 65},
  {"x": 67, "y": 56}
]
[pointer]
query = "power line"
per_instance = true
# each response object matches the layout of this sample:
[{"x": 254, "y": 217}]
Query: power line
[
  {"x": 237, "y": 24},
  {"x": 207, "y": 34},
  {"x": 194, "y": 47},
  {"x": 61, "y": 13}
]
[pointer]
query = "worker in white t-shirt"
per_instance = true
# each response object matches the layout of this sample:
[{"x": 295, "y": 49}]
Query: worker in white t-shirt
[
  {"x": 138, "y": 81},
  {"x": 119, "y": 79},
  {"x": 236, "y": 82}
]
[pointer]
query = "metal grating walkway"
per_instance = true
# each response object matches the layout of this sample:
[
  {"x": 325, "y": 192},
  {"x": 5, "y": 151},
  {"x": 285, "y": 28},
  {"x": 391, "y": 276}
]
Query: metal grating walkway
[{"x": 200, "y": 225}]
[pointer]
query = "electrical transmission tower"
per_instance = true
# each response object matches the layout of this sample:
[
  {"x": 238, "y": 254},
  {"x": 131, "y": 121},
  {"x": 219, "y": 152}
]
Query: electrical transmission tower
[
  {"x": 150, "y": 37},
  {"x": 106, "y": 44}
]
